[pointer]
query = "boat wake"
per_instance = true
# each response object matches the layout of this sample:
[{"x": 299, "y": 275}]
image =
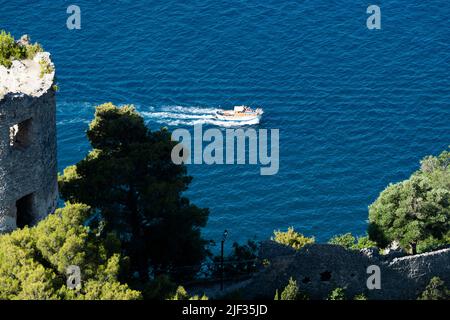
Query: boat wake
[{"x": 179, "y": 116}]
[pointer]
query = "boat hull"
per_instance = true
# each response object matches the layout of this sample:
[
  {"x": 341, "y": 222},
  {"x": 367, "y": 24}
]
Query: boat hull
[
  {"x": 238, "y": 119},
  {"x": 240, "y": 114}
]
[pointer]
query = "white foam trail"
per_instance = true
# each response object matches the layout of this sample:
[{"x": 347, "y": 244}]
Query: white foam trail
[
  {"x": 179, "y": 115},
  {"x": 194, "y": 110},
  {"x": 72, "y": 113}
]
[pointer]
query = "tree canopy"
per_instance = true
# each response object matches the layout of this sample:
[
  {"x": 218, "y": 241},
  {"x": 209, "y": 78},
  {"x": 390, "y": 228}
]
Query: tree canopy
[
  {"x": 34, "y": 261},
  {"x": 130, "y": 179},
  {"x": 415, "y": 212}
]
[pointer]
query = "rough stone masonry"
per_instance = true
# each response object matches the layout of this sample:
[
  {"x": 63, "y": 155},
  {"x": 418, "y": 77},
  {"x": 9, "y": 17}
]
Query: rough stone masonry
[
  {"x": 28, "y": 169},
  {"x": 320, "y": 268}
]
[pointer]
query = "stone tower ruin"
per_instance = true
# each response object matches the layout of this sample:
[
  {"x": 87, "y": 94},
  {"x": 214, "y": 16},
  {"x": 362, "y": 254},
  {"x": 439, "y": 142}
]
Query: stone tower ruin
[{"x": 28, "y": 169}]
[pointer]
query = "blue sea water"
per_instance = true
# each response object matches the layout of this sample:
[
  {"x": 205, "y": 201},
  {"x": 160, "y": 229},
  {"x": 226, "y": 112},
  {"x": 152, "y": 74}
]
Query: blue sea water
[{"x": 357, "y": 109}]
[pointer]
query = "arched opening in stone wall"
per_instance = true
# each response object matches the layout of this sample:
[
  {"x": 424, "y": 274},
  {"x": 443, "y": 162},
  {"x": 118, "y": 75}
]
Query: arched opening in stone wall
[
  {"x": 20, "y": 134},
  {"x": 25, "y": 206}
]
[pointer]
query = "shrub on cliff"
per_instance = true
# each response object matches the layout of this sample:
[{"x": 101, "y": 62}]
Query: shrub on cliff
[
  {"x": 291, "y": 292},
  {"x": 34, "y": 261},
  {"x": 415, "y": 212},
  {"x": 33, "y": 49},
  {"x": 349, "y": 242},
  {"x": 46, "y": 68},
  {"x": 344, "y": 240},
  {"x": 435, "y": 290},
  {"x": 292, "y": 238},
  {"x": 181, "y": 294},
  {"x": 130, "y": 179},
  {"x": 11, "y": 50},
  {"x": 360, "y": 296},
  {"x": 337, "y": 294}
]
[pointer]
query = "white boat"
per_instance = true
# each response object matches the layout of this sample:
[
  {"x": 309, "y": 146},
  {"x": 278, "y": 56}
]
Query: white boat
[{"x": 239, "y": 113}]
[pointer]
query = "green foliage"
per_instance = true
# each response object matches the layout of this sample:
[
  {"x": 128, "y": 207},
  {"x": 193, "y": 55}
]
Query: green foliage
[
  {"x": 337, "y": 294},
  {"x": 291, "y": 292},
  {"x": 181, "y": 294},
  {"x": 346, "y": 240},
  {"x": 361, "y": 296},
  {"x": 33, "y": 49},
  {"x": 138, "y": 192},
  {"x": 431, "y": 243},
  {"x": 160, "y": 288},
  {"x": 349, "y": 242},
  {"x": 435, "y": 290},
  {"x": 33, "y": 261},
  {"x": 364, "y": 242},
  {"x": 11, "y": 50},
  {"x": 415, "y": 212},
  {"x": 46, "y": 67},
  {"x": 292, "y": 238}
]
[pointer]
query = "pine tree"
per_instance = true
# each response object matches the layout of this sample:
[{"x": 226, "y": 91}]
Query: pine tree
[
  {"x": 130, "y": 179},
  {"x": 415, "y": 212},
  {"x": 34, "y": 261}
]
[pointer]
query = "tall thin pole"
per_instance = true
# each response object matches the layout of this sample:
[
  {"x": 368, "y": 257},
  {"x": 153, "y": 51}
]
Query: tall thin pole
[{"x": 221, "y": 265}]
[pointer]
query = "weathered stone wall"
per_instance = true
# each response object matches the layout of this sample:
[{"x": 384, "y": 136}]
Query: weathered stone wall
[
  {"x": 30, "y": 168},
  {"x": 320, "y": 268}
]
